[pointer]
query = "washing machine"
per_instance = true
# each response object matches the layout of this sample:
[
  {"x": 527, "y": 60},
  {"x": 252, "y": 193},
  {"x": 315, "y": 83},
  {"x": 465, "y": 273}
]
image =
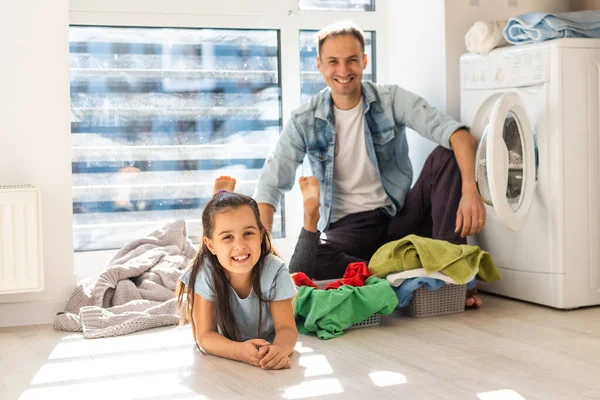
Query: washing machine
[{"x": 535, "y": 110}]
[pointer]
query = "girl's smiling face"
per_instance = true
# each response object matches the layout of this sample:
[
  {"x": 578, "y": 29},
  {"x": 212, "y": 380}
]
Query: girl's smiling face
[{"x": 236, "y": 240}]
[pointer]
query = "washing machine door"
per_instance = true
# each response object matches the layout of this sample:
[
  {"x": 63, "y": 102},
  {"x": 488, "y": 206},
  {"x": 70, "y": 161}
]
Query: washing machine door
[{"x": 505, "y": 168}]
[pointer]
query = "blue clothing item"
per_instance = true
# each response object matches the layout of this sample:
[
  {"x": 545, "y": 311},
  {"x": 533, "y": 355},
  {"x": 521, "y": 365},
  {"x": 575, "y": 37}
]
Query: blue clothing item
[
  {"x": 276, "y": 284},
  {"x": 471, "y": 285},
  {"x": 406, "y": 290},
  {"x": 388, "y": 110},
  {"x": 538, "y": 26}
]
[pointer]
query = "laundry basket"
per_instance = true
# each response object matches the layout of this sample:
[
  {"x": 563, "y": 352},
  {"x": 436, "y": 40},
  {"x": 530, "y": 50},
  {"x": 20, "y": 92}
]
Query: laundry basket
[
  {"x": 373, "y": 320},
  {"x": 448, "y": 299}
]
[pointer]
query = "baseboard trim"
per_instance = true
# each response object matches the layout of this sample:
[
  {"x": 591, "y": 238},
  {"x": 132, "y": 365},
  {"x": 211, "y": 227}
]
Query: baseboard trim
[{"x": 30, "y": 312}]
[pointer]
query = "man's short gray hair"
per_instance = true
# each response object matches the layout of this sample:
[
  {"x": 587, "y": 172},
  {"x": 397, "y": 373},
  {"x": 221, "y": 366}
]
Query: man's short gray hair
[{"x": 337, "y": 29}]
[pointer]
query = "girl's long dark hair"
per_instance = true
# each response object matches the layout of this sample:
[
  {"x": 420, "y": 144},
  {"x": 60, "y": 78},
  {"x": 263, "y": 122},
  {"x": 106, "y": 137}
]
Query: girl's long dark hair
[{"x": 205, "y": 259}]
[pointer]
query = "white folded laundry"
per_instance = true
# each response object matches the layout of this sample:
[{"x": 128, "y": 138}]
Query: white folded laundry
[
  {"x": 396, "y": 278},
  {"x": 485, "y": 36}
]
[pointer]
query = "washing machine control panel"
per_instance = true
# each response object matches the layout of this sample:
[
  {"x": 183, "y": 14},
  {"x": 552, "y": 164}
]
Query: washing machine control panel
[{"x": 505, "y": 68}]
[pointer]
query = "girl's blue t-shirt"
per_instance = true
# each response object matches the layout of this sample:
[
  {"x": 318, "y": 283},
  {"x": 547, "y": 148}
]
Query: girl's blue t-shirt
[{"x": 276, "y": 284}]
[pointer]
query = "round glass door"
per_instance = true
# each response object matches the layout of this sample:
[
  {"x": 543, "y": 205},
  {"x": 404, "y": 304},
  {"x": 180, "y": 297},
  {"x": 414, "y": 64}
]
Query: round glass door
[
  {"x": 511, "y": 134},
  {"x": 505, "y": 161}
]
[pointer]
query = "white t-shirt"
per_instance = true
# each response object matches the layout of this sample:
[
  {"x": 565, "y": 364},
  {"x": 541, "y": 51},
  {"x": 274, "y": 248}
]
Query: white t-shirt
[
  {"x": 356, "y": 186},
  {"x": 275, "y": 283}
]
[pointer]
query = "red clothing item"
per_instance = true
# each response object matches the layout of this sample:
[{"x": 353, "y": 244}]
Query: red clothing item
[
  {"x": 301, "y": 279},
  {"x": 355, "y": 275}
]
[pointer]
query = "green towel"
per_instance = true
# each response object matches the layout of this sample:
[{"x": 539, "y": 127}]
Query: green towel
[
  {"x": 456, "y": 261},
  {"x": 328, "y": 312}
]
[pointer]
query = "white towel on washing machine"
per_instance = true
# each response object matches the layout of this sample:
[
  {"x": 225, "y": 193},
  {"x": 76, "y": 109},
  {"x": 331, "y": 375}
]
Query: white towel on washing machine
[{"x": 485, "y": 36}]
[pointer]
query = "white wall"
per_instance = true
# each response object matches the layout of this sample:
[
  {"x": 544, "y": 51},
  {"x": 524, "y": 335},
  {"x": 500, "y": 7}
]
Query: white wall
[
  {"x": 417, "y": 60},
  {"x": 35, "y": 146},
  {"x": 580, "y": 5},
  {"x": 427, "y": 40}
]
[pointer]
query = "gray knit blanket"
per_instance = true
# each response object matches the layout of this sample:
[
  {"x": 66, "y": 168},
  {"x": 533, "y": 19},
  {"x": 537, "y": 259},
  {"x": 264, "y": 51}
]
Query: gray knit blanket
[{"x": 136, "y": 291}]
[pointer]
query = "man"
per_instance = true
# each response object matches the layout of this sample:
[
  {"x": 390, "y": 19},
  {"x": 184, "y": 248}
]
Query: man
[{"x": 353, "y": 133}]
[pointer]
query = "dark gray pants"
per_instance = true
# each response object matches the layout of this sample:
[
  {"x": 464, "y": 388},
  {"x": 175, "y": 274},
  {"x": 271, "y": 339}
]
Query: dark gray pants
[{"x": 429, "y": 211}]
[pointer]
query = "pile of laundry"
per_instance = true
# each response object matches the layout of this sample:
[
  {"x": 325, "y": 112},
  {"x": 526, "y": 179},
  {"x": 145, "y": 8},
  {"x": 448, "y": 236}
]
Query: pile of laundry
[
  {"x": 414, "y": 262},
  {"x": 328, "y": 312},
  {"x": 395, "y": 271},
  {"x": 531, "y": 28}
]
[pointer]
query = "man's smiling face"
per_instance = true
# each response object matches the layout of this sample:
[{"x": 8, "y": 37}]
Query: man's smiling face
[{"x": 341, "y": 61}]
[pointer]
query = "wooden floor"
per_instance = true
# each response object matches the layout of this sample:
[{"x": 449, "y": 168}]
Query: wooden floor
[{"x": 509, "y": 350}]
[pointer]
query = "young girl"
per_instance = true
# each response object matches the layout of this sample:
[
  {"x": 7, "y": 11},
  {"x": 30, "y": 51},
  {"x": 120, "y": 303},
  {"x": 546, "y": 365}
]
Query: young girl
[{"x": 238, "y": 293}]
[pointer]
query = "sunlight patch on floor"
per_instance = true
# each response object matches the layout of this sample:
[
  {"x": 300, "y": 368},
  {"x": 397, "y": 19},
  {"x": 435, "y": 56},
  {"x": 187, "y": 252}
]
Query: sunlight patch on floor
[
  {"x": 387, "y": 378},
  {"x": 116, "y": 365},
  {"x": 315, "y": 365},
  {"x": 75, "y": 345},
  {"x": 165, "y": 385},
  {"x": 301, "y": 349}
]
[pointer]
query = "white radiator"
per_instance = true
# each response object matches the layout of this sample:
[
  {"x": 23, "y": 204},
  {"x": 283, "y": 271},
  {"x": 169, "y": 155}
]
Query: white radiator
[{"x": 21, "y": 268}]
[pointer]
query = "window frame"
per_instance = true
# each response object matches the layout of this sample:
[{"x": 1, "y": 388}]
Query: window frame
[
  {"x": 372, "y": 3},
  {"x": 283, "y": 16}
]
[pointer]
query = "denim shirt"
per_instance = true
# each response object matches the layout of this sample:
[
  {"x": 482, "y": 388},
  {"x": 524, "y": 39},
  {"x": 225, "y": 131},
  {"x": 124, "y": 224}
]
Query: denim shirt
[{"x": 311, "y": 132}]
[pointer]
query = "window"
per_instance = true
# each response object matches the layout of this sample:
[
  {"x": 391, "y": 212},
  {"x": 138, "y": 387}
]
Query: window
[
  {"x": 156, "y": 115},
  {"x": 311, "y": 79},
  {"x": 161, "y": 105},
  {"x": 341, "y": 5}
]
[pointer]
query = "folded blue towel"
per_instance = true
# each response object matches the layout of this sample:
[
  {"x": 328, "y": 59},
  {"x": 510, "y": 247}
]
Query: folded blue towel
[{"x": 537, "y": 26}]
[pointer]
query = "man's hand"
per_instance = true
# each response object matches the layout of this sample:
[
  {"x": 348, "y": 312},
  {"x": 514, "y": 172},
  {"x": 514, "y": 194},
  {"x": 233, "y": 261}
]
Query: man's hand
[
  {"x": 273, "y": 358},
  {"x": 248, "y": 351},
  {"x": 471, "y": 214}
]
